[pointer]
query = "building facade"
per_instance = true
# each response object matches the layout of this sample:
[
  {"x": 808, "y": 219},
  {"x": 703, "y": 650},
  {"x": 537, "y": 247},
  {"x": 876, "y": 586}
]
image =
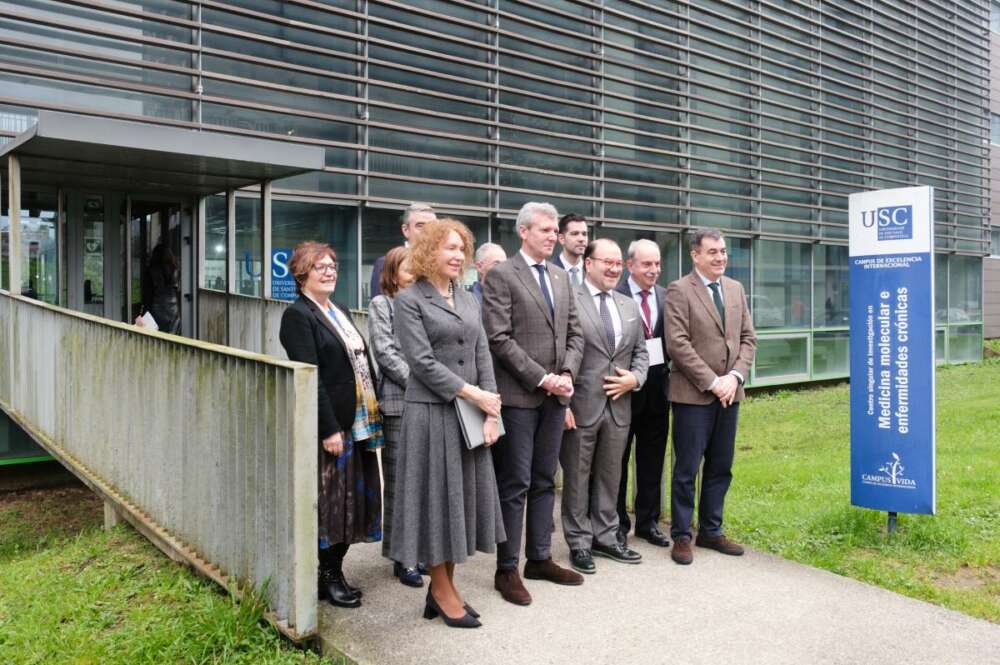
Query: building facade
[{"x": 648, "y": 116}]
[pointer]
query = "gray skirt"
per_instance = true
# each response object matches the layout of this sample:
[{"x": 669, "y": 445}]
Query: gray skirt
[{"x": 446, "y": 506}]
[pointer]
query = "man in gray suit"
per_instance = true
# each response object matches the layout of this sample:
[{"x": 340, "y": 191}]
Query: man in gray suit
[
  {"x": 530, "y": 318},
  {"x": 614, "y": 364}
]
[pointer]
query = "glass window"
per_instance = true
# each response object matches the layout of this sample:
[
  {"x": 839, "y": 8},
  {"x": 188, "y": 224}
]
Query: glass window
[
  {"x": 39, "y": 252},
  {"x": 781, "y": 290},
  {"x": 995, "y": 16},
  {"x": 293, "y": 222},
  {"x": 214, "y": 275},
  {"x": 965, "y": 289},
  {"x": 249, "y": 246},
  {"x": 994, "y": 128},
  {"x": 941, "y": 288},
  {"x": 831, "y": 297},
  {"x": 830, "y": 353},
  {"x": 995, "y": 241},
  {"x": 781, "y": 357},
  {"x": 965, "y": 344}
]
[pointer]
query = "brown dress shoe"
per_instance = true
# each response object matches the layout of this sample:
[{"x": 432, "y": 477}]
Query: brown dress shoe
[
  {"x": 510, "y": 586},
  {"x": 549, "y": 570},
  {"x": 681, "y": 552},
  {"x": 719, "y": 544}
]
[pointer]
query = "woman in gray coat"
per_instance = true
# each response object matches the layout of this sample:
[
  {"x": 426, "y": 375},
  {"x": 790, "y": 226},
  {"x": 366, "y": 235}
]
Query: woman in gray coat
[
  {"x": 446, "y": 506},
  {"x": 393, "y": 373}
]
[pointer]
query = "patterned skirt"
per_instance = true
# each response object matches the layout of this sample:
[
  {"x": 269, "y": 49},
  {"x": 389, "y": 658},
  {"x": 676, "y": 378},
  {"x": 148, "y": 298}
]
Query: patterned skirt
[
  {"x": 391, "y": 428},
  {"x": 350, "y": 496},
  {"x": 446, "y": 506}
]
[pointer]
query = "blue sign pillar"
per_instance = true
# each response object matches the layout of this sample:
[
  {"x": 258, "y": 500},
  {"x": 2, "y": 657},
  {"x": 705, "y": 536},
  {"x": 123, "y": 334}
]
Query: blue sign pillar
[{"x": 892, "y": 350}]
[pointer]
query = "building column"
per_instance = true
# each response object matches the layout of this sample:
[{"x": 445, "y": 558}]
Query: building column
[
  {"x": 230, "y": 241},
  {"x": 14, "y": 235},
  {"x": 265, "y": 229}
]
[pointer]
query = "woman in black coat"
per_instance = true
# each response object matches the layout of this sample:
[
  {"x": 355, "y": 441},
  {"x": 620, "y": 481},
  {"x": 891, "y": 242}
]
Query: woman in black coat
[{"x": 315, "y": 331}]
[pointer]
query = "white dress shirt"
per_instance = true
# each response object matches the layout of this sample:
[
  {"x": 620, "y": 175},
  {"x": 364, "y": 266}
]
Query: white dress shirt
[
  {"x": 654, "y": 307},
  {"x": 706, "y": 281},
  {"x": 569, "y": 266},
  {"x": 616, "y": 318}
]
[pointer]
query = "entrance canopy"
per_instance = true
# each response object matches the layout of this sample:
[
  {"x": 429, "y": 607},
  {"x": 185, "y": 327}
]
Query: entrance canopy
[{"x": 65, "y": 149}]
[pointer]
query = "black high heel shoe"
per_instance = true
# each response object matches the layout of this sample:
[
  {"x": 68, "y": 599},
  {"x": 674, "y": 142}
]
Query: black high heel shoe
[
  {"x": 432, "y": 609},
  {"x": 474, "y": 613}
]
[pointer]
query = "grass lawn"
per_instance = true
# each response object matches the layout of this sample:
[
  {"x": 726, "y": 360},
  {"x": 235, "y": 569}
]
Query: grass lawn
[
  {"x": 73, "y": 593},
  {"x": 791, "y": 493}
]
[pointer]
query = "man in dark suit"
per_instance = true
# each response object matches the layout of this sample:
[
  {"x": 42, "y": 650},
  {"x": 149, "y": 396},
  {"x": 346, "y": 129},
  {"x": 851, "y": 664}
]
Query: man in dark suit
[
  {"x": 488, "y": 255},
  {"x": 614, "y": 365},
  {"x": 573, "y": 240},
  {"x": 711, "y": 341},
  {"x": 650, "y": 409},
  {"x": 530, "y": 318},
  {"x": 415, "y": 217}
]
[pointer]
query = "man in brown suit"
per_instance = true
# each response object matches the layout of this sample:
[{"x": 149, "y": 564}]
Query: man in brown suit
[
  {"x": 711, "y": 343},
  {"x": 530, "y": 317}
]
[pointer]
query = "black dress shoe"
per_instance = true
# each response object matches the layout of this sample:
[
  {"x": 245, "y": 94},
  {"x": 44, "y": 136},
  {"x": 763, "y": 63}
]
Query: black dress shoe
[
  {"x": 582, "y": 561},
  {"x": 408, "y": 576},
  {"x": 622, "y": 536},
  {"x": 654, "y": 536},
  {"x": 617, "y": 553},
  {"x": 422, "y": 568},
  {"x": 431, "y": 610},
  {"x": 334, "y": 588}
]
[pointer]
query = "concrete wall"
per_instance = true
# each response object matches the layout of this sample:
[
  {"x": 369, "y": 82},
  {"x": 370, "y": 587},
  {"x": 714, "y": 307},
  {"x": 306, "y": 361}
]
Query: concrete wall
[{"x": 208, "y": 451}]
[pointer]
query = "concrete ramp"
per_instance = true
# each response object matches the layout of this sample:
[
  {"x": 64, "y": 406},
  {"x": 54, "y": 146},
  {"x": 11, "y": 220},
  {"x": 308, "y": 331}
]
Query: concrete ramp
[{"x": 752, "y": 609}]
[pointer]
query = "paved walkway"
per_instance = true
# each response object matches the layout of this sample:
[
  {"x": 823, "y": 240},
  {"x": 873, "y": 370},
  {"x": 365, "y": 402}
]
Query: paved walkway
[{"x": 752, "y": 609}]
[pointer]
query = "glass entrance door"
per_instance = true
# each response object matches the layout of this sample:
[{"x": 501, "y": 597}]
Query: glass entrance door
[{"x": 159, "y": 241}]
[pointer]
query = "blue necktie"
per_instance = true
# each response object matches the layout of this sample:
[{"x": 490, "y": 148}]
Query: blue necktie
[{"x": 545, "y": 289}]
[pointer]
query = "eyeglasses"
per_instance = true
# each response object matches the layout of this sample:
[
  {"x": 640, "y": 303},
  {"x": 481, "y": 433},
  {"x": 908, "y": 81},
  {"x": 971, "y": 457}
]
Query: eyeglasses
[
  {"x": 611, "y": 263},
  {"x": 325, "y": 268}
]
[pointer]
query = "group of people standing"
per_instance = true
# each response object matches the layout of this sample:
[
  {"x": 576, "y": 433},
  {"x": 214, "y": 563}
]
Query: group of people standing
[{"x": 568, "y": 359}]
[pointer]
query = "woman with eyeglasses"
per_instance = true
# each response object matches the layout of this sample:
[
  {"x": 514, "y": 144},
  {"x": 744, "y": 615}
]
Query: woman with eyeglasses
[{"x": 316, "y": 331}]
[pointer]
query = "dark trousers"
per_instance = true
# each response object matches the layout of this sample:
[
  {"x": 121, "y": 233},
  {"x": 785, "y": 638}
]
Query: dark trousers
[
  {"x": 525, "y": 462},
  {"x": 709, "y": 432},
  {"x": 649, "y": 427}
]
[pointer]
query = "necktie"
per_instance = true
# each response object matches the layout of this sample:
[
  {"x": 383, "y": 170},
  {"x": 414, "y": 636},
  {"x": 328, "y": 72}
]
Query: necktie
[
  {"x": 545, "y": 289},
  {"x": 647, "y": 315},
  {"x": 717, "y": 297},
  {"x": 609, "y": 327},
  {"x": 574, "y": 276}
]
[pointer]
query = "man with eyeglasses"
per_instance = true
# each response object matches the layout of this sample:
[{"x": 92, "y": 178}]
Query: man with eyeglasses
[
  {"x": 597, "y": 422},
  {"x": 415, "y": 217}
]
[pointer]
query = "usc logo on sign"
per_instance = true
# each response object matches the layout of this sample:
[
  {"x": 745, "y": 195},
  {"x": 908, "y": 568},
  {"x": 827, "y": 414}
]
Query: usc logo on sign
[{"x": 893, "y": 222}]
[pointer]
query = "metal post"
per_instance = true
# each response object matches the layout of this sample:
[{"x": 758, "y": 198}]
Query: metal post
[
  {"x": 231, "y": 241},
  {"x": 892, "y": 523},
  {"x": 14, "y": 251},
  {"x": 200, "y": 235},
  {"x": 61, "y": 276},
  {"x": 265, "y": 230},
  {"x": 127, "y": 294}
]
